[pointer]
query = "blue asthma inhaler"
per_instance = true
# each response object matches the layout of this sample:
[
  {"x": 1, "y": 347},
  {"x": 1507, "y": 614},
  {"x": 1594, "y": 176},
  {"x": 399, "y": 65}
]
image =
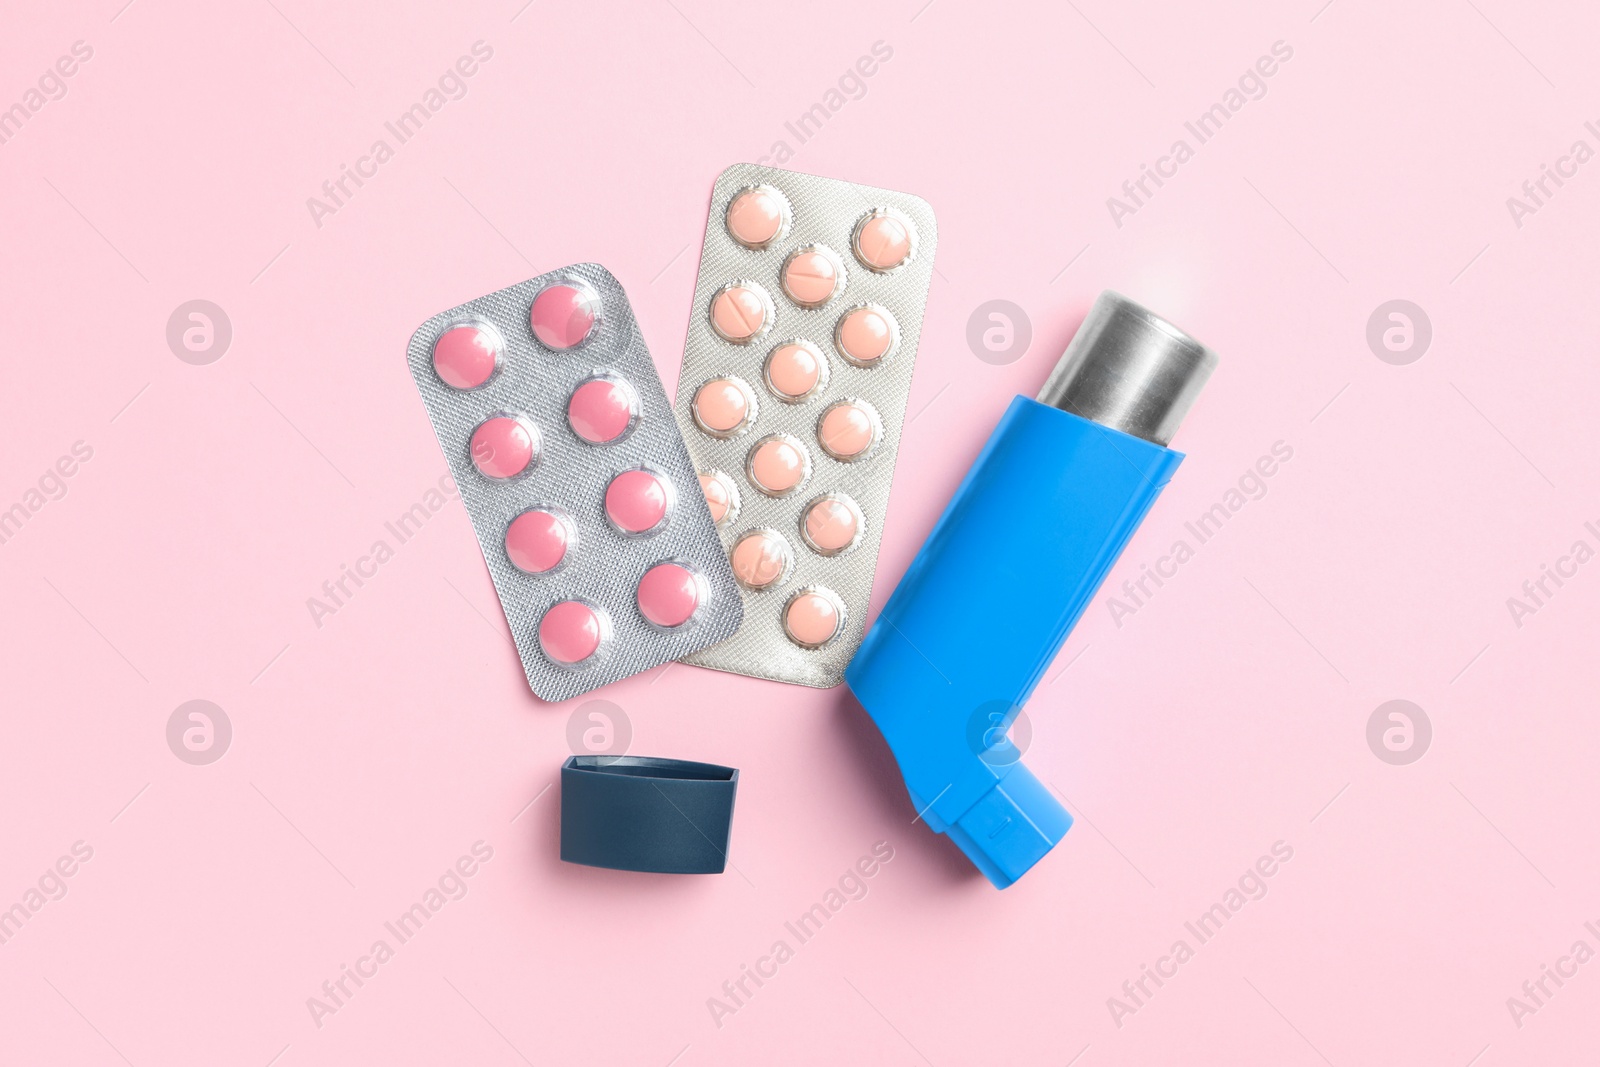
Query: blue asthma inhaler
[{"x": 1012, "y": 563}]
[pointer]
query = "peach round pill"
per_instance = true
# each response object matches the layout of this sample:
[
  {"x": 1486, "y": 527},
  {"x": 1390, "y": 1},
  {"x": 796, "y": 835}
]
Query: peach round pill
[
  {"x": 812, "y": 618},
  {"x": 562, "y": 316},
  {"x": 865, "y": 334},
  {"x": 464, "y": 357},
  {"x": 503, "y": 446},
  {"x": 601, "y": 410},
  {"x": 756, "y": 216},
  {"x": 883, "y": 241},
  {"x": 570, "y": 632},
  {"x": 722, "y": 406},
  {"x": 760, "y": 559},
  {"x": 720, "y": 495},
  {"x": 669, "y": 594},
  {"x": 848, "y": 430},
  {"x": 832, "y": 525},
  {"x": 738, "y": 313},
  {"x": 537, "y": 541},
  {"x": 810, "y": 277},
  {"x": 637, "y": 501},
  {"x": 795, "y": 370},
  {"x": 778, "y": 464}
]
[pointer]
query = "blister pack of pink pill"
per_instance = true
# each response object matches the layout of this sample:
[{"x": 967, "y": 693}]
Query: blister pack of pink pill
[
  {"x": 796, "y": 373},
  {"x": 585, "y": 502}
]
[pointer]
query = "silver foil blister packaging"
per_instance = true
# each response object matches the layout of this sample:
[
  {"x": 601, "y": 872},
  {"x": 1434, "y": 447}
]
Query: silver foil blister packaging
[
  {"x": 796, "y": 372},
  {"x": 585, "y": 502}
]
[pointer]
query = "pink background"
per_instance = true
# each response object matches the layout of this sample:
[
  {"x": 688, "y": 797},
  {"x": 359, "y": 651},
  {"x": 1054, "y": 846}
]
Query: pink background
[{"x": 1228, "y": 714}]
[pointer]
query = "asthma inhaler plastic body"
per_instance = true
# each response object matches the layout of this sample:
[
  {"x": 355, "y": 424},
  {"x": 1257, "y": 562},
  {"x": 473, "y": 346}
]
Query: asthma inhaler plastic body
[{"x": 1012, "y": 563}]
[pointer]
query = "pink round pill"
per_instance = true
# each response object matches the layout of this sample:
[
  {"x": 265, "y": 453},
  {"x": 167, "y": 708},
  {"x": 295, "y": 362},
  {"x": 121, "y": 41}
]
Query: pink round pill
[
  {"x": 812, "y": 617},
  {"x": 865, "y": 334},
  {"x": 669, "y": 595},
  {"x": 760, "y": 558},
  {"x": 723, "y": 407},
  {"x": 570, "y": 632},
  {"x": 795, "y": 370},
  {"x": 811, "y": 276},
  {"x": 757, "y": 216},
  {"x": 722, "y": 499},
  {"x": 537, "y": 541},
  {"x": 504, "y": 446},
  {"x": 637, "y": 501},
  {"x": 464, "y": 357},
  {"x": 601, "y": 410},
  {"x": 740, "y": 312},
  {"x": 883, "y": 240},
  {"x": 848, "y": 430},
  {"x": 563, "y": 315},
  {"x": 778, "y": 464},
  {"x": 832, "y": 524}
]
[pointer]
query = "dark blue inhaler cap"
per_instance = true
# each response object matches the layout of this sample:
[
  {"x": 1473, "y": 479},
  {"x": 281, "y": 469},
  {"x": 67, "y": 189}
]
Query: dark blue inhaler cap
[{"x": 640, "y": 813}]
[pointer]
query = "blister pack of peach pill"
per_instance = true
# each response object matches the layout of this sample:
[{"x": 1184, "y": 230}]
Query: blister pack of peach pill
[
  {"x": 586, "y": 504},
  {"x": 796, "y": 372}
]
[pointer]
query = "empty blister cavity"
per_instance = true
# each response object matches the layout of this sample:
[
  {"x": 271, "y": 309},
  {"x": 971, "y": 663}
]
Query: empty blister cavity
[
  {"x": 757, "y": 216},
  {"x": 722, "y": 496},
  {"x": 832, "y": 524},
  {"x": 867, "y": 335},
  {"x": 671, "y": 594},
  {"x": 849, "y": 429},
  {"x": 761, "y": 559},
  {"x": 812, "y": 275},
  {"x": 538, "y": 540},
  {"x": 884, "y": 240},
  {"x": 556, "y": 431},
  {"x": 505, "y": 446},
  {"x": 467, "y": 356},
  {"x": 639, "y": 502},
  {"x": 795, "y": 371},
  {"x": 741, "y": 312},
  {"x": 810, "y": 291},
  {"x": 572, "y": 633},
  {"x": 724, "y": 407},
  {"x": 813, "y": 616},
  {"x": 564, "y": 314},
  {"x": 602, "y": 409}
]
